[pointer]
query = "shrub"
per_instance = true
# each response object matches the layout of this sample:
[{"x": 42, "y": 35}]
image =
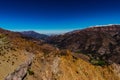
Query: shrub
[
  {"x": 30, "y": 72},
  {"x": 98, "y": 62}
]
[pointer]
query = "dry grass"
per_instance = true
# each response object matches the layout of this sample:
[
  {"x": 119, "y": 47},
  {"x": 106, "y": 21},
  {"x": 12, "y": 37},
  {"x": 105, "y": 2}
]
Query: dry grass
[
  {"x": 9, "y": 62},
  {"x": 68, "y": 68}
]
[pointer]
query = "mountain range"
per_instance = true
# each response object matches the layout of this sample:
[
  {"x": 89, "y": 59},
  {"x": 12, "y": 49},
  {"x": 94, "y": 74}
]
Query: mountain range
[
  {"x": 34, "y": 35},
  {"x": 101, "y": 42},
  {"x": 87, "y": 54}
]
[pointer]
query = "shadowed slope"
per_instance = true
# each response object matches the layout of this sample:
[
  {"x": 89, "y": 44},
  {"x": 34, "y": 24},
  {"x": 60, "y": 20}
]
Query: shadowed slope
[{"x": 97, "y": 42}]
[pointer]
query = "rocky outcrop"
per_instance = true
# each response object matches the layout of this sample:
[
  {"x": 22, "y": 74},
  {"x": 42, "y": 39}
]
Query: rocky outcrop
[{"x": 21, "y": 72}]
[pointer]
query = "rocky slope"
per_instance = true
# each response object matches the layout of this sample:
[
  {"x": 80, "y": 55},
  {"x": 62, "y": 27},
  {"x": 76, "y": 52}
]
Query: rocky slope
[
  {"x": 52, "y": 63},
  {"x": 10, "y": 57},
  {"x": 100, "y": 43},
  {"x": 14, "y": 51},
  {"x": 21, "y": 72},
  {"x": 61, "y": 66}
]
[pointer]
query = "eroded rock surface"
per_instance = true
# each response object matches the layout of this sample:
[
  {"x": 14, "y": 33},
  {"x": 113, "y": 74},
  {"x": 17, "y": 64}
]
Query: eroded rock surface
[{"x": 21, "y": 72}]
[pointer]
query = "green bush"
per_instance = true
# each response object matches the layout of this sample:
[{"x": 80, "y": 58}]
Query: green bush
[
  {"x": 98, "y": 62},
  {"x": 30, "y": 72}
]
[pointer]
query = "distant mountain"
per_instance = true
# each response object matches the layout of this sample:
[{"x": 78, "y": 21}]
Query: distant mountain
[
  {"x": 101, "y": 42},
  {"x": 34, "y": 35}
]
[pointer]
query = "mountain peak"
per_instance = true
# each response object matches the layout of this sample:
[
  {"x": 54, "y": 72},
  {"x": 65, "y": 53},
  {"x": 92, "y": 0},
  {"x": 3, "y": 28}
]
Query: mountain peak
[{"x": 34, "y": 35}]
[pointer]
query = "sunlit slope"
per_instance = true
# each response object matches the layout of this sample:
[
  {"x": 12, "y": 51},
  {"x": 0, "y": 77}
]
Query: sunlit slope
[
  {"x": 10, "y": 57},
  {"x": 67, "y": 67}
]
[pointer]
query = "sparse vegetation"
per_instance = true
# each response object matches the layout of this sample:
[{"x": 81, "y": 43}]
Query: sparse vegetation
[
  {"x": 98, "y": 62},
  {"x": 13, "y": 63},
  {"x": 5, "y": 45},
  {"x": 30, "y": 72},
  {"x": 78, "y": 51},
  {"x": 67, "y": 63}
]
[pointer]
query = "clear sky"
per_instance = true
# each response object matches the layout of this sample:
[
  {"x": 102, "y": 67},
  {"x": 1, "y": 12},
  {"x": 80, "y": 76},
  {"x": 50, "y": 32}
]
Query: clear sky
[{"x": 55, "y": 16}]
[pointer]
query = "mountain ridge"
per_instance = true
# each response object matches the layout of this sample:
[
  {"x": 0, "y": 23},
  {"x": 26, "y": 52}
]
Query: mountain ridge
[
  {"x": 34, "y": 35},
  {"x": 69, "y": 57},
  {"x": 102, "y": 41}
]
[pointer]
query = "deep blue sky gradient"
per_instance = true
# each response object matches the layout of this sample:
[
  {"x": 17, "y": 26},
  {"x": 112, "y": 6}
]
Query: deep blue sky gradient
[{"x": 54, "y": 16}]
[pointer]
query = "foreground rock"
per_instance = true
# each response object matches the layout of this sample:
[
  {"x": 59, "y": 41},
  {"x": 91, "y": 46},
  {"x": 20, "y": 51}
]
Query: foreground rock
[{"x": 21, "y": 72}]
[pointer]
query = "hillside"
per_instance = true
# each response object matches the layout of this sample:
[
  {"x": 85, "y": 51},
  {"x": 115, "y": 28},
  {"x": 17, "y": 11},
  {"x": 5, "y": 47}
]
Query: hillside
[
  {"x": 10, "y": 57},
  {"x": 64, "y": 66},
  {"x": 24, "y": 58},
  {"x": 98, "y": 42},
  {"x": 15, "y": 49}
]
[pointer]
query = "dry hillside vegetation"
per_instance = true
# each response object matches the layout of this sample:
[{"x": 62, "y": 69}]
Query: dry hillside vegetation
[
  {"x": 49, "y": 62},
  {"x": 10, "y": 58},
  {"x": 61, "y": 66}
]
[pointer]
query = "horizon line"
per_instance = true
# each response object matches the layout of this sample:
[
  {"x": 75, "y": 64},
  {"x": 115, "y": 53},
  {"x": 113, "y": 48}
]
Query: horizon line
[{"x": 58, "y": 31}]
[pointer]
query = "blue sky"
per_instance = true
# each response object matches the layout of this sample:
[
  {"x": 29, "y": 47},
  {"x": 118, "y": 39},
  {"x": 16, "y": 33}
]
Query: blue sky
[{"x": 57, "y": 16}]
